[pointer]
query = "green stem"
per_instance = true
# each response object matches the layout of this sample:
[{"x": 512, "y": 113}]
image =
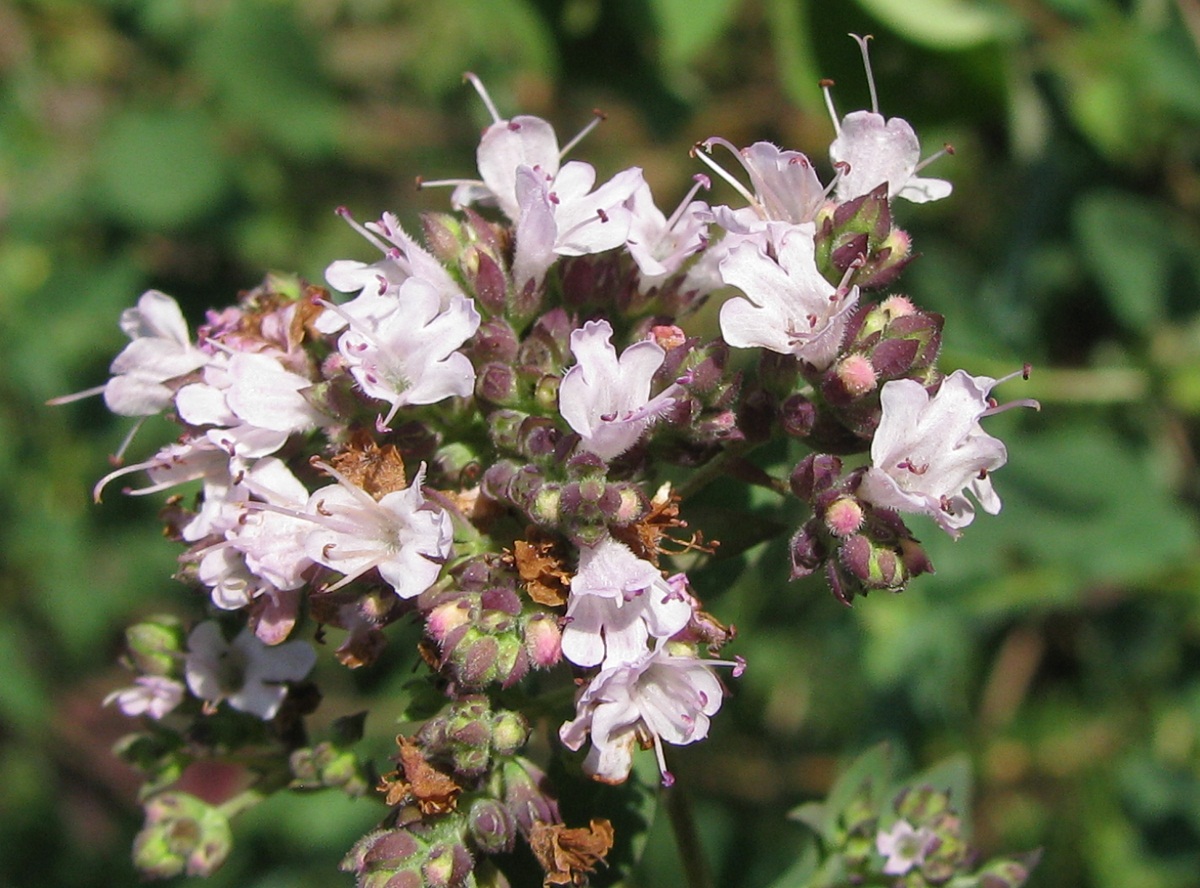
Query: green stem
[{"x": 687, "y": 839}]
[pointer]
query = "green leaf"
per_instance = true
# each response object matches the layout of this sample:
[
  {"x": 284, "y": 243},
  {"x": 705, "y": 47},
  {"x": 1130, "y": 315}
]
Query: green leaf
[
  {"x": 867, "y": 776},
  {"x": 952, "y": 775},
  {"x": 795, "y": 54},
  {"x": 687, "y": 27},
  {"x": 160, "y": 168},
  {"x": 265, "y": 69},
  {"x": 1127, "y": 243},
  {"x": 944, "y": 24}
]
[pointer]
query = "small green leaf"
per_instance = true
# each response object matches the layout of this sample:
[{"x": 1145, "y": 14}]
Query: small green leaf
[
  {"x": 943, "y": 24},
  {"x": 866, "y": 778},
  {"x": 1127, "y": 244},
  {"x": 687, "y": 27}
]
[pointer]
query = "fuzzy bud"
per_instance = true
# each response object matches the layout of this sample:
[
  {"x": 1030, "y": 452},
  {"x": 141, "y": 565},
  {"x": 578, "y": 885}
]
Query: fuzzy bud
[
  {"x": 844, "y": 516},
  {"x": 543, "y": 641},
  {"x": 815, "y": 474},
  {"x": 491, "y": 826},
  {"x": 182, "y": 835},
  {"x": 510, "y": 730},
  {"x": 807, "y": 549},
  {"x": 527, "y": 794},
  {"x": 155, "y": 645},
  {"x": 497, "y": 383}
]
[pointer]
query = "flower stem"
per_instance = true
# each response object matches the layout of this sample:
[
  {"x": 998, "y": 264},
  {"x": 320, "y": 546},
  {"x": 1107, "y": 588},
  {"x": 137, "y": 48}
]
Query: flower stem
[{"x": 687, "y": 839}]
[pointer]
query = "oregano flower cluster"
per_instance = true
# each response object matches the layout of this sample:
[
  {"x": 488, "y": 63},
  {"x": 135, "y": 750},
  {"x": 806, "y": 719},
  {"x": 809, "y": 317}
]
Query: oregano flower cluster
[{"x": 468, "y": 430}]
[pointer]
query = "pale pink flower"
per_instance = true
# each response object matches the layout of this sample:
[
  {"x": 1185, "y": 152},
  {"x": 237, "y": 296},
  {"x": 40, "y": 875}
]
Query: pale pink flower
[
  {"x": 272, "y": 532},
  {"x": 788, "y": 306},
  {"x": 161, "y": 350},
  {"x": 506, "y": 145},
  {"x": 249, "y": 404},
  {"x": 870, "y": 151},
  {"x": 378, "y": 284},
  {"x": 657, "y": 698},
  {"x": 929, "y": 452},
  {"x": 560, "y": 215},
  {"x": 904, "y": 847},
  {"x": 661, "y": 246},
  {"x": 410, "y": 355},
  {"x": 617, "y": 603},
  {"x": 606, "y": 399},
  {"x": 402, "y": 535},
  {"x": 785, "y": 185},
  {"x": 151, "y": 695},
  {"x": 247, "y": 673}
]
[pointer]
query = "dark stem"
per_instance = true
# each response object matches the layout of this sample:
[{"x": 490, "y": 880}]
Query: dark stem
[{"x": 687, "y": 839}]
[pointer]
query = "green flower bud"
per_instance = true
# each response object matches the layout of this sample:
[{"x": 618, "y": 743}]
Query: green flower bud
[
  {"x": 182, "y": 835},
  {"x": 156, "y": 645}
]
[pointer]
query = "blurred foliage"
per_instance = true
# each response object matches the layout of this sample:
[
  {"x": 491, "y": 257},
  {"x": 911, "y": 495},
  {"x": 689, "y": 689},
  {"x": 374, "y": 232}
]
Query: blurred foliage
[{"x": 190, "y": 145}]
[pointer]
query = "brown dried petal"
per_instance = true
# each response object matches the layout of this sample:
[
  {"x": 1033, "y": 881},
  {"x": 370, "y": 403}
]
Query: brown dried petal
[
  {"x": 433, "y": 791},
  {"x": 377, "y": 470},
  {"x": 540, "y": 566},
  {"x": 568, "y": 854}
]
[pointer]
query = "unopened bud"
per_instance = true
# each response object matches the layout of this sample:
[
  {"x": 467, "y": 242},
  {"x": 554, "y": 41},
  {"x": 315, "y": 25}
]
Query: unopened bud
[
  {"x": 445, "y": 618},
  {"x": 492, "y": 827},
  {"x": 844, "y": 516},
  {"x": 543, "y": 641},
  {"x": 814, "y": 475},
  {"x": 447, "y": 866},
  {"x": 510, "y": 730},
  {"x": 497, "y": 383},
  {"x": 807, "y": 550},
  {"x": 182, "y": 835},
  {"x": 856, "y": 375},
  {"x": 527, "y": 794},
  {"x": 485, "y": 277},
  {"x": 155, "y": 645},
  {"x": 443, "y": 235},
  {"x": 798, "y": 415}
]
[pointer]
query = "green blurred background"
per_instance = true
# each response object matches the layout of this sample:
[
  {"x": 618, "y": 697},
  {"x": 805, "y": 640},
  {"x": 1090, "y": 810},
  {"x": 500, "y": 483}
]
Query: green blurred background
[{"x": 192, "y": 145}]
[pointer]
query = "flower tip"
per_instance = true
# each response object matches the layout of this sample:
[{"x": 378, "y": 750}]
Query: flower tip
[
  {"x": 668, "y": 779},
  {"x": 739, "y": 666},
  {"x": 703, "y": 181},
  {"x": 342, "y": 211},
  {"x": 948, "y": 148}
]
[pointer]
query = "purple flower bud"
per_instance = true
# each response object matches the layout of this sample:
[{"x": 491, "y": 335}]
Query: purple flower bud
[
  {"x": 815, "y": 474},
  {"x": 484, "y": 275},
  {"x": 494, "y": 341},
  {"x": 527, "y": 794},
  {"x": 497, "y": 383},
  {"x": 798, "y": 415},
  {"x": 447, "y": 866},
  {"x": 807, "y": 550},
  {"x": 491, "y": 826}
]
